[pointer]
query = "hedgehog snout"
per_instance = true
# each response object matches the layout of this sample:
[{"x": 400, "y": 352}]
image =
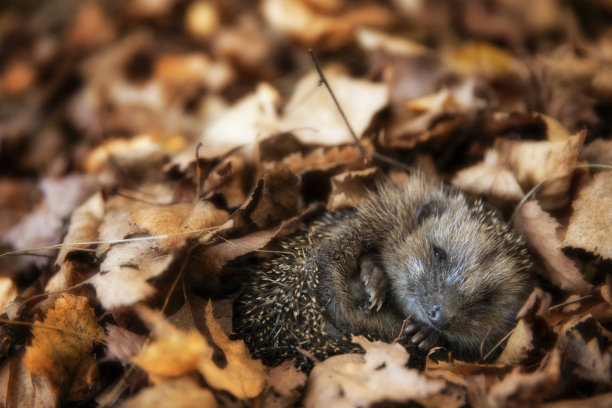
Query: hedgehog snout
[{"x": 439, "y": 315}]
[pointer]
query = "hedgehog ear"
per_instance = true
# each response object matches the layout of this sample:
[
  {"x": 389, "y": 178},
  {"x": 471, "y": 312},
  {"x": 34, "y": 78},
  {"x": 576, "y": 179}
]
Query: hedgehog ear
[{"x": 428, "y": 209}]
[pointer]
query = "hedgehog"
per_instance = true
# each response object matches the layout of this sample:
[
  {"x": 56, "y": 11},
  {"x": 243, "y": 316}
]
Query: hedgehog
[{"x": 418, "y": 262}]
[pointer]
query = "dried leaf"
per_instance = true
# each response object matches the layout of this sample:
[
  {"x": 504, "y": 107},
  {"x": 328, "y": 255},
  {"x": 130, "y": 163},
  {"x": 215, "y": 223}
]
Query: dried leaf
[
  {"x": 24, "y": 389},
  {"x": 490, "y": 177},
  {"x": 590, "y": 227},
  {"x": 519, "y": 389},
  {"x": 349, "y": 187},
  {"x": 533, "y": 162},
  {"x": 122, "y": 344},
  {"x": 8, "y": 292},
  {"x": 581, "y": 342},
  {"x": 84, "y": 225},
  {"x": 312, "y": 116},
  {"x": 242, "y": 376},
  {"x": 249, "y": 120},
  {"x": 352, "y": 380},
  {"x": 180, "y": 393},
  {"x": 61, "y": 350},
  {"x": 540, "y": 231}
]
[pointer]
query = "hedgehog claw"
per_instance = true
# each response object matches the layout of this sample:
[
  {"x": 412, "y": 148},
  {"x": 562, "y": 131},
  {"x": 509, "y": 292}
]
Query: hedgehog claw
[{"x": 374, "y": 282}]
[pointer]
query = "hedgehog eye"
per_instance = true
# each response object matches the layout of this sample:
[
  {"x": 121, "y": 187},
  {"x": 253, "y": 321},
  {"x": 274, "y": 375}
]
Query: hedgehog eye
[{"x": 438, "y": 253}]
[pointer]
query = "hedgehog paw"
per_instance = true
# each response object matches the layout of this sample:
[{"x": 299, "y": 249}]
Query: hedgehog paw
[
  {"x": 421, "y": 336},
  {"x": 374, "y": 282}
]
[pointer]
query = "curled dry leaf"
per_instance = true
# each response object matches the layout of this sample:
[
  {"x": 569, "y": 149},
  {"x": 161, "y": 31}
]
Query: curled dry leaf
[
  {"x": 533, "y": 324},
  {"x": 320, "y": 159},
  {"x": 523, "y": 389},
  {"x": 61, "y": 349},
  {"x": 83, "y": 227},
  {"x": 215, "y": 257},
  {"x": 491, "y": 177},
  {"x": 590, "y": 227},
  {"x": 533, "y": 162},
  {"x": 379, "y": 375},
  {"x": 312, "y": 116},
  {"x": 181, "y": 392},
  {"x": 434, "y": 115},
  {"x": 540, "y": 231},
  {"x": 586, "y": 350}
]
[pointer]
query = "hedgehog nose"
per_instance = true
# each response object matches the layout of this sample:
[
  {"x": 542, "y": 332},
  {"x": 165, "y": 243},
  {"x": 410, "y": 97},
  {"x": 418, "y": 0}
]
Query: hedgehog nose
[{"x": 436, "y": 315}]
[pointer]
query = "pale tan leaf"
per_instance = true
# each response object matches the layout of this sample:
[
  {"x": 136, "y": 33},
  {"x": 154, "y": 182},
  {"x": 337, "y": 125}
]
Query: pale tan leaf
[
  {"x": 590, "y": 227},
  {"x": 312, "y": 116}
]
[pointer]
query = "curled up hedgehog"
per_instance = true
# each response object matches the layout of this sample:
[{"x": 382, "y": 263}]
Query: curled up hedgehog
[{"x": 420, "y": 253}]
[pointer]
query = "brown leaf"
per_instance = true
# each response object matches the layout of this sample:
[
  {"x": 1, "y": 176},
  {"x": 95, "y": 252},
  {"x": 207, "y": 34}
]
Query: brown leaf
[
  {"x": 533, "y": 162},
  {"x": 22, "y": 389},
  {"x": 122, "y": 344},
  {"x": 581, "y": 341},
  {"x": 181, "y": 392},
  {"x": 84, "y": 224},
  {"x": 599, "y": 151},
  {"x": 175, "y": 353},
  {"x": 349, "y": 187},
  {"x": 43, "y": 226},
  {"x": 127, "y": 266},
  {"x": 533, "y": 326},
  {"x": 215, "y": 257},
  {"x": 540, "y": 231},
  {"x": 490, "y": 177},
  {"x": 519, "y": 389},
  {"x": 16, "y": 78},
  {"x": 590, "y": 227},
  {"x": 61, "y": 350}
]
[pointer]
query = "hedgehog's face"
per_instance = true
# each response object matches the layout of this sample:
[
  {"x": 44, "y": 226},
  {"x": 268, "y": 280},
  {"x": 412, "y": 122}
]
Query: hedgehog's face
[{"x": 458, "y": 277}]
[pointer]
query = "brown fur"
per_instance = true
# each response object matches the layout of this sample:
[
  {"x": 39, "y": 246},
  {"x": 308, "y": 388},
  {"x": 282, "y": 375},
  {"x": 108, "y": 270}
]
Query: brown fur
[{"x": 434, "y": 247}]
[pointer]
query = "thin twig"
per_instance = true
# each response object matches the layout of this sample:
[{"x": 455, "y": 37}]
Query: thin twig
[
  {"x": 323, "y": 80},
  {"x": 363, "y": 151},
  {"x": 198, "y": 172}
]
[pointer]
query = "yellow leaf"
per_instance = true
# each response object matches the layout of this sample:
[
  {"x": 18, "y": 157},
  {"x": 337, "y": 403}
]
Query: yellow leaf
[
  {"x": 63, "y": 354},
  {"x": 242, "y": 376},
  {"x": 174, "y": 354}
]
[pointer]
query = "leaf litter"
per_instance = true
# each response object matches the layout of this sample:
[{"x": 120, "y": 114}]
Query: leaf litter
[{"x": 120, "y": 245}]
